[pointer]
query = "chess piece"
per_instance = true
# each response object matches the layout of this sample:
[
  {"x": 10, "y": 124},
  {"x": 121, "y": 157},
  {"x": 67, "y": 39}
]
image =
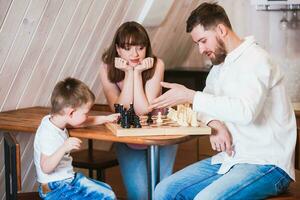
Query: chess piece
[
  {"x": 136, "y": 122},
  {"x": 149, "y": 119},
  {"x": 159, "y": 120},
  {"x": 194, "y": 122},
  {"x": 189, "y": 113},
  {"x": 116, "y": 106},
  {"x": 182, "y": 120},
  {"x": 117, "y": 110},
  {"x": 126, "y": 119},
  {"x": 131, "y": 114}
]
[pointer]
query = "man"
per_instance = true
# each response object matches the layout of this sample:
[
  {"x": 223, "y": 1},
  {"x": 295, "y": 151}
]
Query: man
[{"x": 245, "y": 104}]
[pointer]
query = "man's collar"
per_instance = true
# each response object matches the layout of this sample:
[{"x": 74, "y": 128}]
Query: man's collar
[{"x": 237, "y": 52}]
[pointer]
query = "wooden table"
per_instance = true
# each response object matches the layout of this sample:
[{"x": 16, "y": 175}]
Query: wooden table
[{"x": 28, "y": 119}]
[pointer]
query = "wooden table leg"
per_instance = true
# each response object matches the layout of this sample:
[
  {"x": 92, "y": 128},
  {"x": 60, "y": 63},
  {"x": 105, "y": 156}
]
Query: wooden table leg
[{"x": 153, "y": 169}]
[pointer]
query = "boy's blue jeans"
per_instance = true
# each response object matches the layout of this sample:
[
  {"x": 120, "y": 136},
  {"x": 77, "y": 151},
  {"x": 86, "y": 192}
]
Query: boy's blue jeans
[
  {"x": 201, "y": 181},
  {"x": 80, "y": 188},
  {"x": 133, "y": 165}
]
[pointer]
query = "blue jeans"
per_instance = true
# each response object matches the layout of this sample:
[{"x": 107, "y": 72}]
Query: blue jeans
[
  {"x": 133, "y": 165},
  {"x": 201, "y": 181},
  {"x": 80, "y": 188}
]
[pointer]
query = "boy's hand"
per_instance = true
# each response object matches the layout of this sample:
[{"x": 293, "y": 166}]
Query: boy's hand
[
  {"x": 112, "y": 117},
  {"x": 72, "y": 143},
  {"x": 220, "y": 138}
]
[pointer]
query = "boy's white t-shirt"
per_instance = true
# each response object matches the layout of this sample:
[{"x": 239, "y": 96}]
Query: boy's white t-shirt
[{"x": 47, "y": 140}]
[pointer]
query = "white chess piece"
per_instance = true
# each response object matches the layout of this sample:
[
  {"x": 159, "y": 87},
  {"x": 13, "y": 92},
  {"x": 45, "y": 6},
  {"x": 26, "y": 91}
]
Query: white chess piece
[
  {"x": 194, "y": 122},
  {"x": 181, "y": 120},
  {"x": 159, "y": 120},
  {"x": 171, "y": 113},
  {"x": 184, "y": 121}
]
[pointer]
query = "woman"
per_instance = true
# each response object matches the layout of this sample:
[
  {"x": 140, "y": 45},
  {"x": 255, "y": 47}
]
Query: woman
[{"x": 132, "y": 74}]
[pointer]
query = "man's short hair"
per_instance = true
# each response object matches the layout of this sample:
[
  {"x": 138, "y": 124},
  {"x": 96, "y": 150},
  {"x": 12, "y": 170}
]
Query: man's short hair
[
  {"x": 70, "y": 92},
  {"x": 208, "y": 15}
]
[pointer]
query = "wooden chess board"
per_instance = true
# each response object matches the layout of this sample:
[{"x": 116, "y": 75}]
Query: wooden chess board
[{"x": 168, "y": 127}]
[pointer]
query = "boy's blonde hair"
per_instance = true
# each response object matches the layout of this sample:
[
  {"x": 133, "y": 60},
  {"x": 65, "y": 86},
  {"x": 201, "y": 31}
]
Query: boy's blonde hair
[{"x": 72, "y": 93}]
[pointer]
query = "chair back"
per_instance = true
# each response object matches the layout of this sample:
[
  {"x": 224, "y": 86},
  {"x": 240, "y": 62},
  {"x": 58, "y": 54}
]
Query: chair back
[{"x": 12, "y": 166}]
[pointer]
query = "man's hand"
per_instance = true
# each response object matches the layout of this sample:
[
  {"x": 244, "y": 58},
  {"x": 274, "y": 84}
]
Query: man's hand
[
  {"x": 71, "y": 143},
  {"x": 122, "y": 64},
  {"x": 177, "y": 94},
  {"x": 220, "y": 138},
  {"x": 147, "y": 63}
]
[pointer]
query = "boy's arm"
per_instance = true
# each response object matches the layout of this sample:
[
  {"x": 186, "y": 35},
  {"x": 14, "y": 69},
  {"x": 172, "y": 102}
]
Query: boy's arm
[
  {"x": 96, "y": 120},
  {"x": 49, "y": 163}
]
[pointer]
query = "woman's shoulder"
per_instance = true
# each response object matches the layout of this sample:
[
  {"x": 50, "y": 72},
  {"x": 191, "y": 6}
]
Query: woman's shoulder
[
  {"x": 160, "y": 64},
  {"x": 103, "y": 66},
  {"x": 160, "y": 61}
]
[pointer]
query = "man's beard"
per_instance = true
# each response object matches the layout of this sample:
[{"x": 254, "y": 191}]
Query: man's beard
[{"x": 220, "y": 52}]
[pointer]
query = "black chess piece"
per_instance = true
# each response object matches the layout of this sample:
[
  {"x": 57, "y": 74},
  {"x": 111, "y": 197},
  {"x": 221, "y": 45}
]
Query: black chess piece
[
  {"x": 122, "y": 117},
  {"x": 136, "y": 122},
  {"x": 126, "y": 122},
  {"x": 117, "y": 106},
  {"x": 121, "y": 111},
  {"x": 149, "y": 119},
  {"x": 117, "y": 110},
  {"x": 131, "y": 114}
]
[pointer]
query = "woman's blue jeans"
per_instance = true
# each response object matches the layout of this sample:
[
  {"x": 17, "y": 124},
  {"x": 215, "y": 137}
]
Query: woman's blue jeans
[
  {"x": 201, "y": 181},
  {"x": 133, "y": 164},
  {"x": 80, "y": 188}
]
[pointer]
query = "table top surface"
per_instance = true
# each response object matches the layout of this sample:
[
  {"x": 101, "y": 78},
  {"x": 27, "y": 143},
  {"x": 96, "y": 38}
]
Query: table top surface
[
  {"x": 28, "y": 119},
  {"x": 296, "y": 106}
]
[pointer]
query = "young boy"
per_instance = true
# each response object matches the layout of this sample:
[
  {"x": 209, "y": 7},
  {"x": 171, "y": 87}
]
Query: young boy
[{"x": 71, "y": 100}]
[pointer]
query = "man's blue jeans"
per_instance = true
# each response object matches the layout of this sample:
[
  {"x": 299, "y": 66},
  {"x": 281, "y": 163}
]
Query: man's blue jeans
[
  {"x": 201, "y": 181},
  {"x": 80, "y": 188},
  {"x": 133, "y": 165}
]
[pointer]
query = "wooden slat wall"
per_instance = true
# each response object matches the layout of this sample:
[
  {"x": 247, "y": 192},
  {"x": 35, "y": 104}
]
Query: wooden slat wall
[{"x": 44, "y": 41}]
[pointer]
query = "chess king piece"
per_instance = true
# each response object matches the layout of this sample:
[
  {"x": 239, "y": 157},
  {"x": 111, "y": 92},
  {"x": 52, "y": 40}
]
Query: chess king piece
[
  {"x": 126, "y": 122},
  {"x": 159, "y": 119},
  {"x": 131, "y": 114}
]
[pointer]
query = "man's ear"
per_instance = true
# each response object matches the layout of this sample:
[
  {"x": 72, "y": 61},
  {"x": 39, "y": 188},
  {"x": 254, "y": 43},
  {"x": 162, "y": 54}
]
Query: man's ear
[{"x": 222, "y": 30}]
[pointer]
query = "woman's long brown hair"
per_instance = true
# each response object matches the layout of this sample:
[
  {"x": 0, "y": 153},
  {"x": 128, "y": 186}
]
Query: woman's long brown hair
[{"x": 129, "y": 33}]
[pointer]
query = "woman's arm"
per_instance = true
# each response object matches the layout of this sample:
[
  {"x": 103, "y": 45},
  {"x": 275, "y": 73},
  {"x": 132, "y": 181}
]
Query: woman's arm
[
  {"x": 112, "y": 92},
  {"x": 143, "y": 97}
]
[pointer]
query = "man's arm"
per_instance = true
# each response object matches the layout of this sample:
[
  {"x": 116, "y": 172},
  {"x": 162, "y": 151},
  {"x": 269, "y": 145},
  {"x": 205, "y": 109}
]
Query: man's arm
[{"x": 242, "y": 108}]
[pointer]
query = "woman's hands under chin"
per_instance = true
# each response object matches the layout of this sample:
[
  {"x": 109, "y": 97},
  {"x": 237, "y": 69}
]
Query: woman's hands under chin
[
  {"x": 147, "y": 63},
  {"x": 122, "y": 64}
]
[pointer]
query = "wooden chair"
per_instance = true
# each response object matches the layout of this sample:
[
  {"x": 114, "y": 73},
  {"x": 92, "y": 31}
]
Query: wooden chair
[
  {"x": 93, "y": 159},
  {"x": 13, "y": 181},
  {"x": 293, "y": 191}
]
